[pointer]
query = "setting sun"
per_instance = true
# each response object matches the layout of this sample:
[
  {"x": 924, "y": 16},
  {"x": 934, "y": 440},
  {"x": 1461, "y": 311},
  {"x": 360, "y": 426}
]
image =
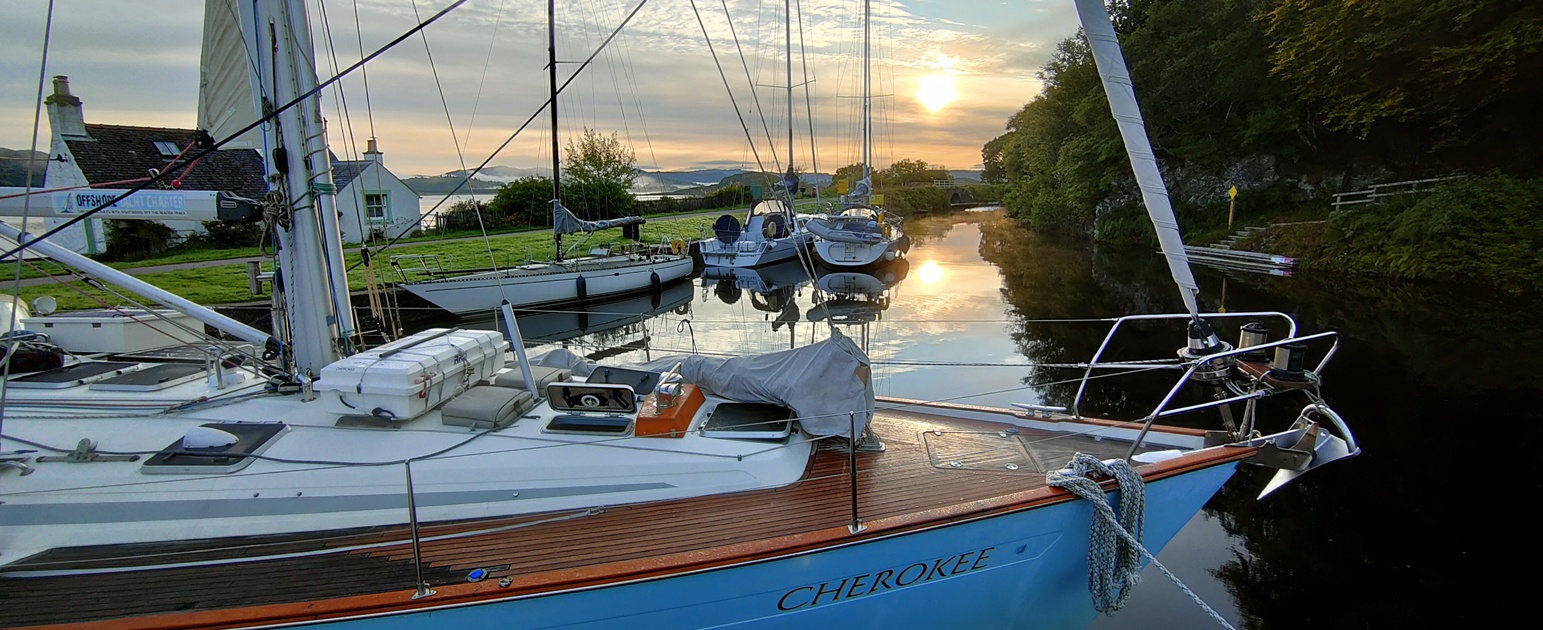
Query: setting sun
[
  {"x": 936, "y": 91},
  {"x": 930, "y": 272}
]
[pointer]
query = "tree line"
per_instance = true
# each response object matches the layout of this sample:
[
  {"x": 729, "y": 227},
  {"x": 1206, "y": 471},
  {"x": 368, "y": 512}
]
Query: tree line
[{"x": 1289, "y": 100}]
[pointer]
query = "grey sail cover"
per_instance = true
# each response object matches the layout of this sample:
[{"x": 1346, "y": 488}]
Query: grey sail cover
[
  {"x": 564, "y": 222},
  {"x": 827, "y": 384},
  {"x": 860, "y": 192}
]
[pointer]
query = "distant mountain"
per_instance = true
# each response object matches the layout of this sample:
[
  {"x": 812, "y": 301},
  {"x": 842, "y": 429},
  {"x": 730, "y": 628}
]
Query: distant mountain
[
  {"x": 13, "y": 167},
  {"x": 965, "y": 176}
]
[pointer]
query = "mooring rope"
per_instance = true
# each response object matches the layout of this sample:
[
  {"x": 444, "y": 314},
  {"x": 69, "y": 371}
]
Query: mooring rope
[{"x": 1114, "y": 552}]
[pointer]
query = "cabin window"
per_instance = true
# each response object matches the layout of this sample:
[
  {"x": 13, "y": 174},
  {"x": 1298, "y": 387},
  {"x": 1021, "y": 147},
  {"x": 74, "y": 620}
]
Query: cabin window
[
  {"x": 375, "y": 206},
  {"x": 167, "y": 149}
]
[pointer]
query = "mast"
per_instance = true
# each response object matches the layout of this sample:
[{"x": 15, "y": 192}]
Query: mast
[
  {"x": 867, "y": 99},
  {"x": 321, "y": 316},
  {"x": 787, "y": 30},
  {"x": 551, "y": 50}
]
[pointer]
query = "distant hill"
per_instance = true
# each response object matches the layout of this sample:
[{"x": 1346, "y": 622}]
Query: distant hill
[
  {"x": 443, "y": 184},
  {"x": 966, "y": 176},
  {"x": 13, "y": 167},
  {"x": 763, "y": 180},
  {"x": 505, "y": 174},
  {"x": 684, "y": 183}
]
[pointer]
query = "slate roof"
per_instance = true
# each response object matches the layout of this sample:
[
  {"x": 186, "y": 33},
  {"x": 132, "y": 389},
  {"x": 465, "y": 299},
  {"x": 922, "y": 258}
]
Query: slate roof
[
  {"x": 118, "y": 152},
  {"x": 343, "y": 173}
]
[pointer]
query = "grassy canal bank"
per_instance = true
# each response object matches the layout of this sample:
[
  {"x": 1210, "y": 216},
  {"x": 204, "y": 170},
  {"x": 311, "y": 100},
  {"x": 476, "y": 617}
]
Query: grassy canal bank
[
  {"x": 214, "y": 283},
  {"x": 1478, "y": 231}
]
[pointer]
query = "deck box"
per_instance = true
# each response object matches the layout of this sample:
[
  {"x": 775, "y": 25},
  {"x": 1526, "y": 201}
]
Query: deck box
[{"x": 402, "y": 380}]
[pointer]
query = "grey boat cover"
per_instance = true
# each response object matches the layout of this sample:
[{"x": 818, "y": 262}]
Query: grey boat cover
[
  {"x": 822, "y": 383},
  {"x": 564, "y": 221}
]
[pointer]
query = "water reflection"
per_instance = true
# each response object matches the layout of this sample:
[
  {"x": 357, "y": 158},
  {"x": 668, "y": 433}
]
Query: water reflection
[
  {"x": 607, "y": 328},
  {"x": 1385, "y": 540}
]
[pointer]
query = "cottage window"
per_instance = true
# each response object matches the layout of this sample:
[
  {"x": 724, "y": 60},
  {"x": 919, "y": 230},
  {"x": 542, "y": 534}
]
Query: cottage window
[{"x": 375, "y": 206}]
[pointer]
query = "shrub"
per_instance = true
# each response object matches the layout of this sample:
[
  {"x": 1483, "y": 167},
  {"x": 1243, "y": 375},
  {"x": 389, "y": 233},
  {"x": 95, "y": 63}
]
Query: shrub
[
  {"x": 1485, "y": 229},
  {"x": 129, "y": 240},
  {"x": 729, "y": 196},
  {"x": 230, "y": 235},
  {"x": 913, "y": 199}
]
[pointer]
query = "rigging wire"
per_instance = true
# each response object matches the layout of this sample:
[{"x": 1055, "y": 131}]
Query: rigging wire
[
  {"x": 803, "y": 58},
  {"x": 725, "y": 77},
  {"x": 26, "y": 205},
  {"x": 464, "y": 182},
  {"x": 498, "y": 276},
  {"x": 754, "y": 97},
  {"x": 487, "y": 62},
  {"x": 378, "y": 308},
  {"x": 221, "y": 143}
]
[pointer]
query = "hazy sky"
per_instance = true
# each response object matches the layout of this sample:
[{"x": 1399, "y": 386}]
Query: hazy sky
[{"x": 947, "y": 74}]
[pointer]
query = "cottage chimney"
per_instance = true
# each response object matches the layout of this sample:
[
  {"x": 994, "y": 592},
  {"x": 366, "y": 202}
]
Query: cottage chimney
[
  {"x": 64, "y": 111},
  {"x": 373, "y": 154}
]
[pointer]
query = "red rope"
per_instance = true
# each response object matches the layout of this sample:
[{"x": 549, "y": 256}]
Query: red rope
[
  {"x": 54, "y": 190},
  {"x": 177, "y": 183}
]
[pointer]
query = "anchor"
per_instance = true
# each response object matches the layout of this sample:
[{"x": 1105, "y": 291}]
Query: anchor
[{"x": 1307, "y": 446}]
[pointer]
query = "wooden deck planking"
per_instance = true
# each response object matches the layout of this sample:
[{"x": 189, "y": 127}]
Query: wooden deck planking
[{"x": 897, "y": 482}]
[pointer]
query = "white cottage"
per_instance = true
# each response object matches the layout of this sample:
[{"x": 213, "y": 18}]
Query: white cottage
[
  {"x": 117, "y": 156},
  {"x": 371, "y": 201}
]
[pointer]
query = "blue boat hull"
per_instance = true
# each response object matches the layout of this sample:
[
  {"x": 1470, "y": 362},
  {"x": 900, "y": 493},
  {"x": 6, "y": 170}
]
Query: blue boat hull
[{"x": 1025, "y": 569}]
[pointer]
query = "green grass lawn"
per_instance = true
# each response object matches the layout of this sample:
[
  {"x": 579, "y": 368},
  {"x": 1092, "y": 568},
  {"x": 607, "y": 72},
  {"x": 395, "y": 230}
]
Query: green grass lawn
[{"x": 226, "y": 284}]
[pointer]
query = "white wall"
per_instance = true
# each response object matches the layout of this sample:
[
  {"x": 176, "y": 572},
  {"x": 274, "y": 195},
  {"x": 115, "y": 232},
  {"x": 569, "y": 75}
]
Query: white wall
[{"x": 401, "y": 211}]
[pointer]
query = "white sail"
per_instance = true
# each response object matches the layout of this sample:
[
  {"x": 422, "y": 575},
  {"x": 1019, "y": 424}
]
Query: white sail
[
  {"x": 227, "y": 82},
  {"x": 1122, "y": 102}
]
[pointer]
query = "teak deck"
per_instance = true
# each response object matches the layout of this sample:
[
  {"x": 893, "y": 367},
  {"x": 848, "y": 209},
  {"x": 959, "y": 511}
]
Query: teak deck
[{"x": 898, "y": 489}]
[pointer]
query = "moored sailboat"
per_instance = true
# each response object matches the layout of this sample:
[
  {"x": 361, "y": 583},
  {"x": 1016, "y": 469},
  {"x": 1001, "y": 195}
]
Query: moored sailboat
[
  {"x": 861, "y": 234},
  {"x": 602, "y": 274},
  {"x": 772, "y": 232},
  {"x": 746, "y": 491}
]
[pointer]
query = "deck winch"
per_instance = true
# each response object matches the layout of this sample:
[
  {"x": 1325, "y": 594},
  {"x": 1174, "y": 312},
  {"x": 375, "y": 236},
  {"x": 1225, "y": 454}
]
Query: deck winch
[{"x": 1203, "y": 343}]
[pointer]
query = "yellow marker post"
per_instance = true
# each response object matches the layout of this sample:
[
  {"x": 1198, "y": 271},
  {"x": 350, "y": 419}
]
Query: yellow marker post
[{"x": 1232, "y": 204}]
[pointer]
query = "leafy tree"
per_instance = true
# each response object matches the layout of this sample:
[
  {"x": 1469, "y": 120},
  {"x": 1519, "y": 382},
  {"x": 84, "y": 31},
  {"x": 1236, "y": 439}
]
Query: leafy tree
[
  {"x": 1202, "y": 73},
  {"x": 593, "y": 158},
  {"x": 522, "y": 202},
  {"x": 850, "y": 174},
  {"x": 1432, "y": 85},
  {"x": 908, "y": 172},
  {"x": 528, "y": 201},
  {"x": 1437, "y": 60},
  {"x": 994, "y": 172}
]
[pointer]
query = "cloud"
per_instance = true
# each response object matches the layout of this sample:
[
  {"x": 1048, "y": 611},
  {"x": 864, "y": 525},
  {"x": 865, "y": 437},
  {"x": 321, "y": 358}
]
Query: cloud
[{"x": 656, "y": 85}]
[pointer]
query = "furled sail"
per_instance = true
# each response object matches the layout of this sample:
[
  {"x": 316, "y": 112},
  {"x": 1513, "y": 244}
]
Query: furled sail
[
  {"x": 564, "y": 221},
  {"x": 1122, "y": 102},
  {"x": 228, "y": 83},
  {"x": 860, "y": 192}
]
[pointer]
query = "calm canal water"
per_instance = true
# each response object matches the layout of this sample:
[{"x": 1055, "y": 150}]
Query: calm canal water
[{"x": 1411, "y": 534}]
